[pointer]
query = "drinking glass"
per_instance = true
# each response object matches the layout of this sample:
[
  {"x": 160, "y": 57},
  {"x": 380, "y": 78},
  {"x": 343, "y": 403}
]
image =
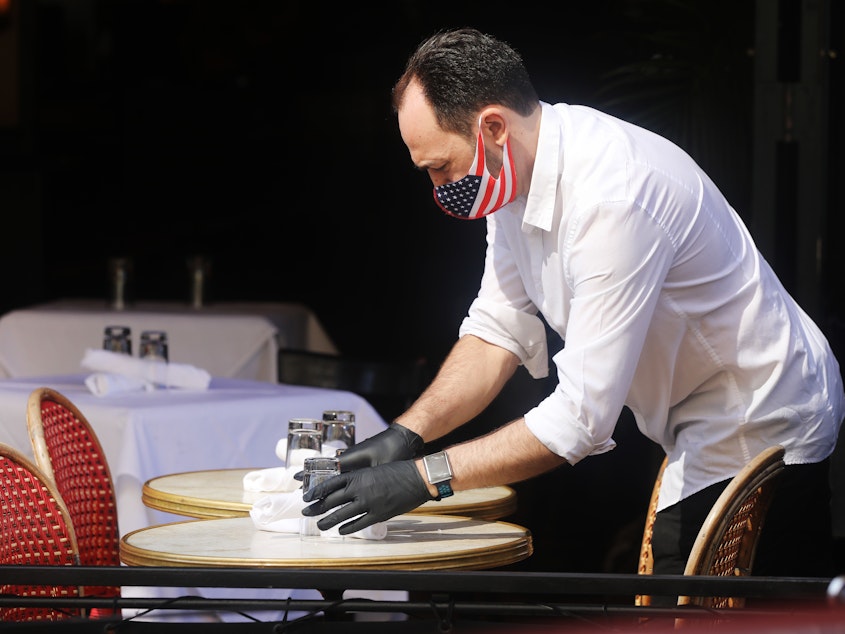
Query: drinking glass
[
  {"x": 305, "y": 440},
  {"x": 117, "y": 339},
  {"x": 338, "y": 430},
  {"x": 153, "y": 345},
  {"x": 316, "y": 470}
]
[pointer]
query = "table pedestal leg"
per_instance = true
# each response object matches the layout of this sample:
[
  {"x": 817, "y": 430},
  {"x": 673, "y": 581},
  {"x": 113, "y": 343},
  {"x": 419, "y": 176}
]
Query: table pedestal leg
[{"x": 335, "y": 596}]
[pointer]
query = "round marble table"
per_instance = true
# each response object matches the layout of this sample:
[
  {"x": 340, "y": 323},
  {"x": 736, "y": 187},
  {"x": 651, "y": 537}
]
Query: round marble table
[
  {"x": 220, "y": 493},
  {"x": 413, "y": 542}
]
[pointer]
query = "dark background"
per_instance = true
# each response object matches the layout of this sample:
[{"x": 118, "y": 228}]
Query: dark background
[{"x": 259, "y": 133}]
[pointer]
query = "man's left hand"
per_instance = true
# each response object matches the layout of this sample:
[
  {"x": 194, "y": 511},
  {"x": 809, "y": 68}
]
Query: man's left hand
[{"x": 371, "y": 495}]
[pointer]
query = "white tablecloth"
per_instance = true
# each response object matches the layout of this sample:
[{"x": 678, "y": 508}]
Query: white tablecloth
[
  {"x": 227, "y": 339},
  {"x": 235, "y": 423}
]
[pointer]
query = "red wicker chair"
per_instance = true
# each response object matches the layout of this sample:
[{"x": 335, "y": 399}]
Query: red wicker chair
[
  {"x": 68, "y": 452},
  {"x": 35, "y": 530}
]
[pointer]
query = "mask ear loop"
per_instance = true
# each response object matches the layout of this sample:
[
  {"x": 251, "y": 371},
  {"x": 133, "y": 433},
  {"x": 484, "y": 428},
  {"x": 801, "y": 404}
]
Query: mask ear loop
[
  {"x": 505, "y": 183},
  {"x": 479, "y": 161},
  {"x": 507, "y": 156}
]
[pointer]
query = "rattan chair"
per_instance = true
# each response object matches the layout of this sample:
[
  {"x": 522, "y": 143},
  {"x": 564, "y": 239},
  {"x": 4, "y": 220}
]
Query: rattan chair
[
  {"x": 727, "y": 541},
  {"x": 35, "y": 530},
  {"x": 69, "y": 453},
  {"x": 389, "y": 385},
  {"x": 646, "y": 561}
]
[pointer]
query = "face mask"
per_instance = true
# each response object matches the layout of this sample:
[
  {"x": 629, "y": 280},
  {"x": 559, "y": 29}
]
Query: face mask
[{"x": 478, "y": 194}]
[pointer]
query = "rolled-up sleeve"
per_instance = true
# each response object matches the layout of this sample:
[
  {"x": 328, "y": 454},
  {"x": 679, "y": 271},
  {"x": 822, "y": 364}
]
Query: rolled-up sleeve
[
  {"x": 519, "y": 332},
  {"x": 502, "y": 313}
]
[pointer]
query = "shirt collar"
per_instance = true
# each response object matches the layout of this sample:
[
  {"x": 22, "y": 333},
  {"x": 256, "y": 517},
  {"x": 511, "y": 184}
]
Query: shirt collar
[{"x": 540, "y": 207}]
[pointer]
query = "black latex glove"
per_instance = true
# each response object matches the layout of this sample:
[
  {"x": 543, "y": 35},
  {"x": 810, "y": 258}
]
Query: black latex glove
[
  {"x": 374, "y": 493},
  {"x": 394, "y": 443}
]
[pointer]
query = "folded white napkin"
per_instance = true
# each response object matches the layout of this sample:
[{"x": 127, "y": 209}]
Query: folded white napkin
[
  {"x": 282, "y": 448},
  {"x": 278, "y": 512},
  {"x": 272, "y": 479},
  {"x": 282, "y": 513},
  {"x": 104, "y": 384},
  {"x": 298, "y": 456},
  {"x": 146, "y": 371},
  {"x": 329, "y": 449}
]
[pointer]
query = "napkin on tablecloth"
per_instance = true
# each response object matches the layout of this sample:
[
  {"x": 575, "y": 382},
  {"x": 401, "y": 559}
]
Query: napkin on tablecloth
[
  {"x": 272, "y": 479},
  {"x": 178, "y": 375},
  {"x": 282, "y": 512},
  {"x": 104, "y": 384}
]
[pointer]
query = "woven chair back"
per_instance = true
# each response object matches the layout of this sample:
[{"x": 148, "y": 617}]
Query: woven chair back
[
  {"x": 646, "y": 560},
  {"x": 727, "y": 542},
  {"x": 36, "y": 530},
  {"x": 69, "y": 452}
]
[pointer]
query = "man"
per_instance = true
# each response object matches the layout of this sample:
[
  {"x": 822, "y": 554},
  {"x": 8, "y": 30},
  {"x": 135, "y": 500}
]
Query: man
[{"x": 635, "y": 258}]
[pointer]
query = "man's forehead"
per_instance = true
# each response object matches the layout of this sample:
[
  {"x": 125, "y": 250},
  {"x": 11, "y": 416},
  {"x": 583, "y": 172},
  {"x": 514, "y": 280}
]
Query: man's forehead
[
  {"x": 428, "y": 143},
  {"x": 415, "y": 113}
]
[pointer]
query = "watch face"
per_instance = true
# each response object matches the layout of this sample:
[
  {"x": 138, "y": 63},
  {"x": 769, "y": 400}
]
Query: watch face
[{"x": 437, "y": 467}]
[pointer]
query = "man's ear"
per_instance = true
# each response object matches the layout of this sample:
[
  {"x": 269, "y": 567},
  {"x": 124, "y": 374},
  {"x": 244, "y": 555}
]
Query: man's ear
[{"x": 494, "y": 125}]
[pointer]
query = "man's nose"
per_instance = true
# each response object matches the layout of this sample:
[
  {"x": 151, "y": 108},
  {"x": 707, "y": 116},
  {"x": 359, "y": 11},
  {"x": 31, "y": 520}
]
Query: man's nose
[{"x": 440, "y": 179}]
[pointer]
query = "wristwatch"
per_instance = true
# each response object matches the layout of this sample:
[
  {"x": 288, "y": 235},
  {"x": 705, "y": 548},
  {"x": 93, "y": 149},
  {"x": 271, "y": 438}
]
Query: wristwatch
[{"x": 439, "y": 473}]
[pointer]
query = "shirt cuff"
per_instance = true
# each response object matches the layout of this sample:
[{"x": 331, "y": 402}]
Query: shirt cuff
[{"x": 519, "y": 332}]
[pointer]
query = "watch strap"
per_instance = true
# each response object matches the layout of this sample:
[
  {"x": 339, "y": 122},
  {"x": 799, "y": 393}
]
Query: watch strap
[{"x": 444, "y": 490}]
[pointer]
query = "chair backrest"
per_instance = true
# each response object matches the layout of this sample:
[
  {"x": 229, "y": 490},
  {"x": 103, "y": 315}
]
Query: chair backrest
[
  {"x": 69, "y": 453},
  {"x": 390, "y": 386},
  {"x": 646, "y": 560},
  {"x": 36, "y": 530},
  {"x": 727, "y": 541}
]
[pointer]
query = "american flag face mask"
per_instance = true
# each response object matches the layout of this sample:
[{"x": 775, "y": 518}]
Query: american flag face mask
[{"x": 478, "y": 193}]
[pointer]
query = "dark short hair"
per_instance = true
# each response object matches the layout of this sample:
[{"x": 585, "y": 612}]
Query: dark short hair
[{"x": 462, "y": 71}]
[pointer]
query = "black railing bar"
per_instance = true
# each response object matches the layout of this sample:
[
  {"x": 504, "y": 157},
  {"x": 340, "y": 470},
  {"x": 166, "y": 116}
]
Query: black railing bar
[
  {"x": 421, "y": 581},
  {"x": 408, "y": 607}
]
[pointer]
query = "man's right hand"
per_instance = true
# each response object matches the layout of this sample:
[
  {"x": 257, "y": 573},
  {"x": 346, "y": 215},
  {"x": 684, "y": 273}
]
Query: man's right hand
[{"x": 394, "y": 443}]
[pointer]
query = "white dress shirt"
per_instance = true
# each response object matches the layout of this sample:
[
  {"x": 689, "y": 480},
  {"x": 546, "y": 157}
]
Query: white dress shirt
[{"x": 665, "y": 305}]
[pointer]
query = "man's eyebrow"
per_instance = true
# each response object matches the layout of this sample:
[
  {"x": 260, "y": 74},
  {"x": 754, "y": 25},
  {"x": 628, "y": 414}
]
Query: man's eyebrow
[{"x": 430, "y": 164}]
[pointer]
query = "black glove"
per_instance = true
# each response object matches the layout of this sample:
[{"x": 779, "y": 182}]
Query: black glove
[
  {"x": 374, "y": 493},
  {"x": 394, "y": 443}
]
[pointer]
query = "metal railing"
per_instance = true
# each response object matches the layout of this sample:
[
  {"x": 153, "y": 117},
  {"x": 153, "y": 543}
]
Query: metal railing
[{"x": 439, "y": 595}]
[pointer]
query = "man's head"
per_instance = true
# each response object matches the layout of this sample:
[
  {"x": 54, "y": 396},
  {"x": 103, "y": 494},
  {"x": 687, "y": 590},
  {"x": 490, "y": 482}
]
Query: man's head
[
  {"x": 462, "y": 71},
  {"x": 463, "y": 102}
]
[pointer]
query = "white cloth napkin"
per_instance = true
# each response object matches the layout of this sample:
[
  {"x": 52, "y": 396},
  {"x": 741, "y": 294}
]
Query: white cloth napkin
[
  {"x": 282, "y": 513},
  {"x": 282, "y": 448},
  {"x": 278, "y": 478},
  {"x": 329, "y": 448},
  {"x": 143, "y": 371},
  {"x": 272, "y": 479},
  {"x": 103, "y": 384}
]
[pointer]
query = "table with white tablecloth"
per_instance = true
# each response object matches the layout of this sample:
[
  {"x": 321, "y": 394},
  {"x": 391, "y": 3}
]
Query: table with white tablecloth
[
  {"x": 235, "y": 423},
  {"x": 228, "y": 339}
]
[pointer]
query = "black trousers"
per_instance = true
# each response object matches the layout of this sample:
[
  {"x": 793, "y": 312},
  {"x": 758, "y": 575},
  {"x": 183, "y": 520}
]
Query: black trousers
[{"x": 796, "y": 540}]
